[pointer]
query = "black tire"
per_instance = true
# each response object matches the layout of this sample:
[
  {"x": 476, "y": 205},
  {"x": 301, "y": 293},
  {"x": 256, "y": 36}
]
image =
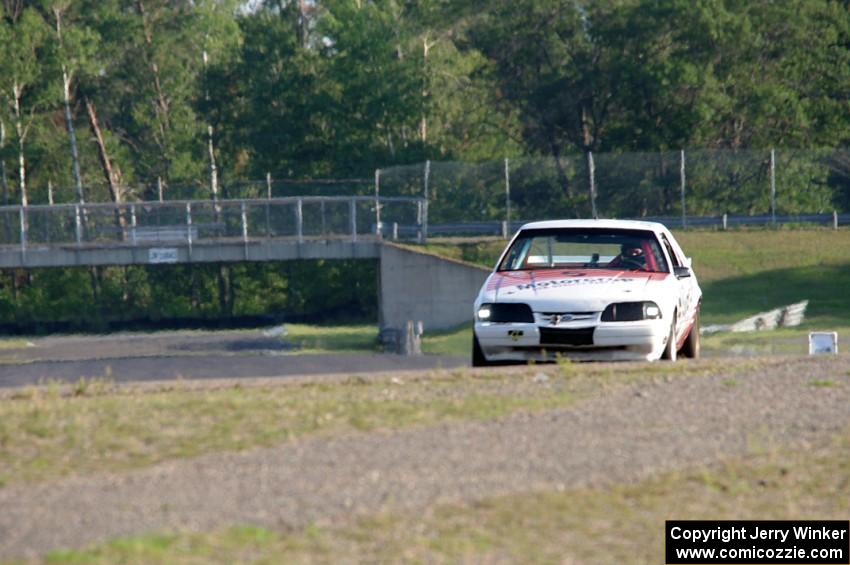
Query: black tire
[
  {"x": 670, "y": 351},
  {"x": 691, "y": 347},
  {"x": 478, "y": 359}
]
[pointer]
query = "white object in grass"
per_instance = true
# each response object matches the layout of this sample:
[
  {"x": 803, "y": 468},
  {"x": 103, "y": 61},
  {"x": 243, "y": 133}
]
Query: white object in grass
[
  {"x": 277, "y": 331},
  {"x": 823, "y": 342}
]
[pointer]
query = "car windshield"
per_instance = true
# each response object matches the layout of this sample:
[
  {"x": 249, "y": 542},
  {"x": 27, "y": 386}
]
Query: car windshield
[{"x": 585, "y": 248}]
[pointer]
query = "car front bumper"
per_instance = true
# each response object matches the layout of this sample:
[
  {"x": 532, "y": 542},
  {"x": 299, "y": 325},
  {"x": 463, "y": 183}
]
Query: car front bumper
[{"x": 602, "y": 341}]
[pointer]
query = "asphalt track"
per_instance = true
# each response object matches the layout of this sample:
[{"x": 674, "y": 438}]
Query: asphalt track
[{"x": 188, "y": 355}]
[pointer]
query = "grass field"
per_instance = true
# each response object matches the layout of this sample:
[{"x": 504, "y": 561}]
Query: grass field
[
  {"x": 94, "y": 426},
  {"x": 620, "y": 523}
]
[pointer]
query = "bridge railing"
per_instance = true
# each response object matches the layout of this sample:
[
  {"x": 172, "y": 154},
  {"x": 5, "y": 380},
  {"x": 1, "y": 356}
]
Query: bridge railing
[{"x": 204, "y": 221}]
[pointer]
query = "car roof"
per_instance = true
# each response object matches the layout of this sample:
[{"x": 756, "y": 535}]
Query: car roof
[{"x": 606, "y": 224}]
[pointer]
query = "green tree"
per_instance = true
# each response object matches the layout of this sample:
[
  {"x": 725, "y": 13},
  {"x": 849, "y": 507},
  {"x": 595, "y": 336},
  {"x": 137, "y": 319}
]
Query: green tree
[{"x": 23, "y": 34}]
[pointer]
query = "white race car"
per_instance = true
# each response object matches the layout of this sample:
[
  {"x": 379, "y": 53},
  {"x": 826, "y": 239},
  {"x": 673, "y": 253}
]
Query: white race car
[{"x": 588, "y": 290}]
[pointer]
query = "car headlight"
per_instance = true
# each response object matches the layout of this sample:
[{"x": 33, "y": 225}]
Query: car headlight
[
  {"x": 631, "y": 312},
  {"x": 505, "y": 313},
  {"x": 484, "y": 312}
]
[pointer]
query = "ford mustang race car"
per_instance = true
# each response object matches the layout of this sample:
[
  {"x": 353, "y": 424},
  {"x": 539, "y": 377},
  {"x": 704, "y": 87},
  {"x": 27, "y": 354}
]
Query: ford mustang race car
[{"x": 588, "y": 290}]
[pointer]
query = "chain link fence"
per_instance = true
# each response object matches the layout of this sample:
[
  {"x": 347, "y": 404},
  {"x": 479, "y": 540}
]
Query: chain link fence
[{"x": 681, "y": 186}]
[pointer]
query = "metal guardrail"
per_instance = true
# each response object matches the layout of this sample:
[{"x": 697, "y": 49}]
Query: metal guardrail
[{"x": 197, "y": 222}]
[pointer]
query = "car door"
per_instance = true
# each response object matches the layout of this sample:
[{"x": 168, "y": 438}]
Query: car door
[{"x": 685, "y": 287}]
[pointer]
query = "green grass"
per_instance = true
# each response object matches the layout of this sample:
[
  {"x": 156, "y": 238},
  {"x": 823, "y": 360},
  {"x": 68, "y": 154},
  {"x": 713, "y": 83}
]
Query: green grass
[
  {"x": 616, "y": 523},
  {"x": 92, "y": 426},
  {"x": 721, "y": 255},
  {"x": 13, "y": 343},
  {"x": 457, "y": 341},
  {"x": 322, "y": 339}
]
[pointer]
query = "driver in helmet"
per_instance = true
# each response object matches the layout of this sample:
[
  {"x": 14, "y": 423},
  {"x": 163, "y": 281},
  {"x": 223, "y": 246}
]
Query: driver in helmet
[{"x": 631, "y": 256}]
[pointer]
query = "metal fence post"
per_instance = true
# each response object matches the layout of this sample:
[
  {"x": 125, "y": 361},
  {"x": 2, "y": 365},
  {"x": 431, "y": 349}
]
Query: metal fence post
[
  {"x": 23, "y": 215},
  {"x": 378, "y": 227},
  {"x": 189, "y": 227},
  {"x": 724, "y": 221},
  {"x": 133, "y": 224},
  {"x": 299, "y": 221},
  {"x": 507, "y": 198},
  {"x": 78, "y": 224},
  {"x": 425, "y": 204},
  {"x": 773, "y": 187},
  {"x": 419, "y": 221},
  {"x": 244, "y": 223},
  {"x": 835, "y": 219},
  {"x": 591, "y": 169},
  {"x": 268, "y": 205},
  {"x": 244, "y": 229},
  {"x": 682, "y": 184},
  {"x": 352, "y": 210}
]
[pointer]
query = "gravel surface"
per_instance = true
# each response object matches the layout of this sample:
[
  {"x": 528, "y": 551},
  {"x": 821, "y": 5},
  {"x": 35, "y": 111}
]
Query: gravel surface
[{"x": 621, "y": 434}]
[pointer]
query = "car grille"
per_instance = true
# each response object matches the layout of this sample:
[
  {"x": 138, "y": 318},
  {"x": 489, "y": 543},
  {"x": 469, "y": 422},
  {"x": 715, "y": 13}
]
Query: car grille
[
  {"x": 555, "y": 318},
  {"x": 577, "y": 336}
]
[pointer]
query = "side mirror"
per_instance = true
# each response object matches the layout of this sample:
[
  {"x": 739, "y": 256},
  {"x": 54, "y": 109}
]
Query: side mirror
[{"x": 681, "y": 272}]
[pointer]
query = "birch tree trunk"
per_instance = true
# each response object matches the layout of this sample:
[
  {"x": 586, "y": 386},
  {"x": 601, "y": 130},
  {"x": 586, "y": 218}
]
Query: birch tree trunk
[
  {"x": 21, "y": 130},
  {"x": 210, "y": 145},
  {"x": 4, "y": 185},
  {"x": 111, "y": 176},
  {"x": 69, "y": 122}
]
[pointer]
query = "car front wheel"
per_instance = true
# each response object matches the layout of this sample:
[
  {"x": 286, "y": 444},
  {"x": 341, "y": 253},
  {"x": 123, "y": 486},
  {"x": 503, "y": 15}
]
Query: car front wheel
[
  {"x": 670, "y": 351},
  {"x": 478, "y": 359},
  {"x": 690, "y": 348}
]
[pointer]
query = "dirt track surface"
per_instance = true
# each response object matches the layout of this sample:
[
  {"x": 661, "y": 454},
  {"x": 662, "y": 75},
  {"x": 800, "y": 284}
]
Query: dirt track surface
[
  {"x": 188, "y": 355},
  {"x": 620, "y": 434}
]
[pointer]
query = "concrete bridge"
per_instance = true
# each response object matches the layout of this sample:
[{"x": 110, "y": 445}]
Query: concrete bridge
[
  {"x": 204, "y": 231},
  {"x": 413, "y": 285}
]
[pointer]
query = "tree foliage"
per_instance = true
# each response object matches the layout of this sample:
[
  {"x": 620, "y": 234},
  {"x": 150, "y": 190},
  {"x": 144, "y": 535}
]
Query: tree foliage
[{"x": 338, "y": 88}]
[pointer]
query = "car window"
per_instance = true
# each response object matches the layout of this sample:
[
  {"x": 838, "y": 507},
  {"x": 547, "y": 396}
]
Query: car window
[
  {"x": 673, "y": 257},
  {"x": 587, "y": 248}
]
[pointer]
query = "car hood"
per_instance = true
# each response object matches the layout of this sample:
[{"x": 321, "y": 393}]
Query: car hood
[{"x": 572, "y": 289}]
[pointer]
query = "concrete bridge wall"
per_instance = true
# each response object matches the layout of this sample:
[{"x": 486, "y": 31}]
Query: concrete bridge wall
[{"x": 419, "y": 286}]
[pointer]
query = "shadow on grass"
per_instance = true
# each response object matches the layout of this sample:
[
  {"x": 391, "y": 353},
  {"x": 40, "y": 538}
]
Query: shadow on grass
[{"x": 825, "y": 287}]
